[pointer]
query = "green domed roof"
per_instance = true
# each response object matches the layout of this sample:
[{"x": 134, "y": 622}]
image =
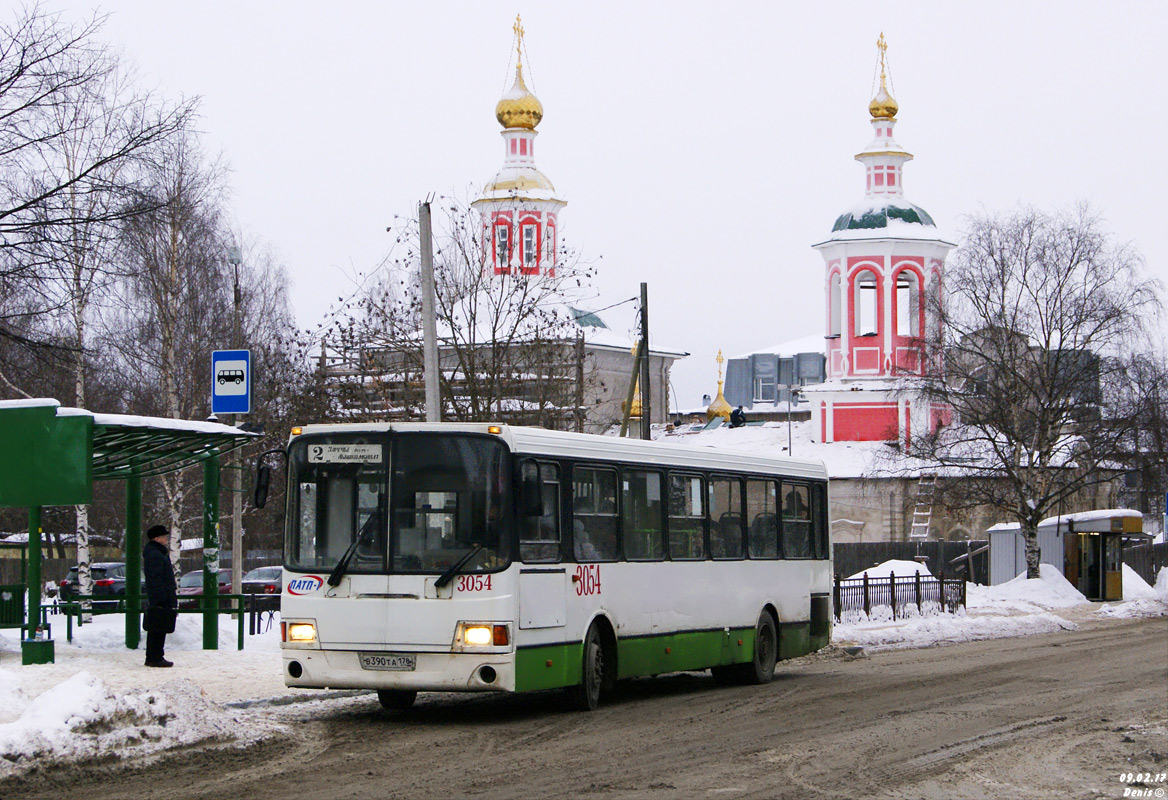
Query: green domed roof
[{"x": 878, "y": 216}]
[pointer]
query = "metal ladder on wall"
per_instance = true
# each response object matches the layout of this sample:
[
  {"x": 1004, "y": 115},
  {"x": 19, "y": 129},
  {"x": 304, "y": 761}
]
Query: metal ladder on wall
[{"x": 922, "y": 515}]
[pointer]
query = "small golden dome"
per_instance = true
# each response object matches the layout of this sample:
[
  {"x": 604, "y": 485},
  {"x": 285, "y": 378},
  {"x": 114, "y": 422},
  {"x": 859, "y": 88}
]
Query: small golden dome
[
  {"x": 519, "y": 108},
  {"x": 719, "y": 408},
  {"x": 882, "y": 105}
]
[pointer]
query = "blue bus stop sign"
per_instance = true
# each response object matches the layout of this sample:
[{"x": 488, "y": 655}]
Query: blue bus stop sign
[{"x": 230, "y": 381}]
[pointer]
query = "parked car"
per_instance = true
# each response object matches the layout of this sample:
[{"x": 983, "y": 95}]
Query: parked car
[
  {"x": 265, "y": 581},
  {"x": 190, "y": 589},
  {"x": 109, "y": 579}
]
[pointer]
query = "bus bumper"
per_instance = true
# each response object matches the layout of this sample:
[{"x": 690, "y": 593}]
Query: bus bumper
[{"x": 433, "y": 672}]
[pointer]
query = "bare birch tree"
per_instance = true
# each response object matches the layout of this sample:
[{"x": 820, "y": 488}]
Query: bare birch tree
[
  {"x": 176, "y": 303},
  {"x": 1041, "y": 318},
  {"x": 49, "y": 70}
]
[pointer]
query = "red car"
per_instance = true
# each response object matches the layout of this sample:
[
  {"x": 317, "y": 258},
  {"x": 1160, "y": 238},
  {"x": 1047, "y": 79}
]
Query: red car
[{"x": 190, "y": 588}]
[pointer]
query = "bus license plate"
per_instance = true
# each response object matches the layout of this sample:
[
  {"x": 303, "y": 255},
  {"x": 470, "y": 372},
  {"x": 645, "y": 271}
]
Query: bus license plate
[{"x": 391, "y": 662}]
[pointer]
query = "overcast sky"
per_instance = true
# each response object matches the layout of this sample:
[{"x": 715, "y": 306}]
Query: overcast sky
[{"x": 701, "y": 147}]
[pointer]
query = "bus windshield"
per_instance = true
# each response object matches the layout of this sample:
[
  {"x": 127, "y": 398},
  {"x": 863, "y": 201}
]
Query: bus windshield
[{"x": 413, "y": 503}]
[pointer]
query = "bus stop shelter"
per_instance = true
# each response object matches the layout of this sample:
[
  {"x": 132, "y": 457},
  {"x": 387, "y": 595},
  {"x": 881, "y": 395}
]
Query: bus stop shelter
[
  {"x": 51, "y": 456},
  {"x": 1085, "y": 546}
]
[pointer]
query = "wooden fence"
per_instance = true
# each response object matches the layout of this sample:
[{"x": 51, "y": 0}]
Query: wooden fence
[
  {"x": 1147, "y": 559},
  {"x": 904, "y": 595}
]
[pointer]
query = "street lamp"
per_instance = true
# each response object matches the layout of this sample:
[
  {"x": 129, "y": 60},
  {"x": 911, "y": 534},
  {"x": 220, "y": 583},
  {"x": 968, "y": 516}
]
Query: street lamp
[{"x": 792, "y": 390}]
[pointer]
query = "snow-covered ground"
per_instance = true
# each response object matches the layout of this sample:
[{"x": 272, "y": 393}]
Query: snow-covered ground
[{"x": 98, "y": 700}]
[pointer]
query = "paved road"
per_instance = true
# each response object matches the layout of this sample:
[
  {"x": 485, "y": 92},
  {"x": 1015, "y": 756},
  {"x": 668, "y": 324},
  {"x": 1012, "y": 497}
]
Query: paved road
[{"x": 1059, "y": 715}]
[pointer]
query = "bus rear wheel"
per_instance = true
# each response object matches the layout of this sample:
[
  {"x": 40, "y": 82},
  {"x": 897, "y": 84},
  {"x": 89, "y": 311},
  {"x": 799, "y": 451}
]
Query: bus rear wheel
[
  {"x": 761, "y": 668},
  {"x": 586, "y": 695},
  {"x": 396, "y": 699},
  {"x": 766, "y": 650}
]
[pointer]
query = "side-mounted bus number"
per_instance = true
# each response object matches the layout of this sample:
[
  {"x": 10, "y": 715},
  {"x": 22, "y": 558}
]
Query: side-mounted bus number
[
  {"x": 474, "y": 583},
  {"x": 587, "y": 579}
]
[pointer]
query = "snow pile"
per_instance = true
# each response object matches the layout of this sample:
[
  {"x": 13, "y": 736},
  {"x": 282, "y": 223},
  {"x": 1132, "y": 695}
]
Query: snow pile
[
  {"x": 1140, "y": 599},
  {"x": 1021, "y": 595},
  {"x": 901, "y": 569},
  {"x": 82, "y": 718}
]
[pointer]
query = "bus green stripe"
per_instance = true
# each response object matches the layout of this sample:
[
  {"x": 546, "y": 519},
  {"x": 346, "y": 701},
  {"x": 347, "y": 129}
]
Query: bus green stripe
[{"x": 553, "y": 666}]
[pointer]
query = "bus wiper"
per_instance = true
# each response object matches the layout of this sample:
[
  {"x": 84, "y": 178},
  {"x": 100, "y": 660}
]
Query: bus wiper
[
  {"x": 364, "y": 536},
  {"x": 447, "y": 576}
]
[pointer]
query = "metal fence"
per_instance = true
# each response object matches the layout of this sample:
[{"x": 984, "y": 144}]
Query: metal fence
[{"x": 904, "y": 596}]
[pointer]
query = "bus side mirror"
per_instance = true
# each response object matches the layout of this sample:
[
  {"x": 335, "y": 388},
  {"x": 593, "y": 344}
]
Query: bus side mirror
[{"x": 263, "y": 477}]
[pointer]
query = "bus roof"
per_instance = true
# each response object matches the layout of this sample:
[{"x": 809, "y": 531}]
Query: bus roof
[{"x": 586, "y": 446}]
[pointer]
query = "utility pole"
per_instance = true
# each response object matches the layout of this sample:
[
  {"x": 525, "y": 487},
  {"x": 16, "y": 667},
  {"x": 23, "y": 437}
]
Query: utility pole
[
  {"x": 429, "y": 327},
  {"x": 235, "y": 258},
  {"x": 646, "y": 390},
  {"x": 579, "y": 381}
]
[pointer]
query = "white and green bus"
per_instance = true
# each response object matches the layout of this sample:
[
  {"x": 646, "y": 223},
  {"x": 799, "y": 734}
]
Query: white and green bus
[{"x": 475, "y": 557}]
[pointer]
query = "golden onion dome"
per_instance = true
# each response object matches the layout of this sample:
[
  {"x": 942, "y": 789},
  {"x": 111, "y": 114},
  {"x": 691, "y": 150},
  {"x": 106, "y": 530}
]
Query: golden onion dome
[
  {"x": 882, "y": 105},
  {"x": 519, "y": 108},
  {"x": 719, "y": 408}
]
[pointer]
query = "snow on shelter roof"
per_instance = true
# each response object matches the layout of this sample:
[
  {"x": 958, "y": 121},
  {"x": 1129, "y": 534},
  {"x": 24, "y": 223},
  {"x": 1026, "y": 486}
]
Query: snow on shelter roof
[
  {"x": 127, "y": 444},
  {"x": 1085, "y": 521}
]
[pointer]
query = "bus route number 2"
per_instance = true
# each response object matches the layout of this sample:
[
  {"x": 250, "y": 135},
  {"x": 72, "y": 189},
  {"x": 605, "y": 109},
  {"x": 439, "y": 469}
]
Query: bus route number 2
[
  {"x": 474, "y": 583},
  {"x": 587, "y": 579}
]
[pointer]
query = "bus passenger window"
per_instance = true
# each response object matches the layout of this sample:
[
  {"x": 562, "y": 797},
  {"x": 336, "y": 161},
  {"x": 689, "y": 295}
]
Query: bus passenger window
[
  {"x": 686, "y": 517},
  {"x": 594, "y": 520},
  {"x": 726, "y": 518},
  {"x": 641, "y": 515},
  {"x": 541, "y": 534},
  {"x": 796, "y": 521},
  {"x": 761, "y": 508},
  {"x": 819, "y": 521}
]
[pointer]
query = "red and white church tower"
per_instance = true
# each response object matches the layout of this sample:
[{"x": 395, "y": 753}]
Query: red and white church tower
[
  {"x": 884, "y": 262},
  {"x": 519, "y": 206}
]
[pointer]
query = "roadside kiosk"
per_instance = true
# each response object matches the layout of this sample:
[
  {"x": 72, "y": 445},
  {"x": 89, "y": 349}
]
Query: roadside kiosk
[
  {"x": 50, "y": 456},
  {"x": 1086, "y": 547}
]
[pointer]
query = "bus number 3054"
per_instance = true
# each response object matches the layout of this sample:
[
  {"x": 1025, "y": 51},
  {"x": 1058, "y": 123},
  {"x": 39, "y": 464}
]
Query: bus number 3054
[
  {"x": 587, "y": 579},
  {"x": 474, "y": 583}
]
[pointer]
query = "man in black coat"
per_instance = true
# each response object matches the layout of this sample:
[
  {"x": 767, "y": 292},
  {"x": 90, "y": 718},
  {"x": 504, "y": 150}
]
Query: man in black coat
[{"x": 161, "y": 593}]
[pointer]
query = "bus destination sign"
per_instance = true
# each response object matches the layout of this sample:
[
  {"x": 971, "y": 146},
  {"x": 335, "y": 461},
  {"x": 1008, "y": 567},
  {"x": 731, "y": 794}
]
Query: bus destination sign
[{"x": 344, "y": 454}]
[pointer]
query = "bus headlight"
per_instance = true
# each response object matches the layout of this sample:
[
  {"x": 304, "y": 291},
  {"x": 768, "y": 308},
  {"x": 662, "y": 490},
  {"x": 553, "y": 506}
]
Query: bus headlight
[
  {"x": 301, "y": 632},
  {"x": 477, "y": 635},
  {"x": 482, "y": 636}
]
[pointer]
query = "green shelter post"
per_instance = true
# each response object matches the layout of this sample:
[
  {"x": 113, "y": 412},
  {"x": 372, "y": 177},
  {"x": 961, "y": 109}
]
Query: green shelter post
[
  {"x": 211, "y": 551},
  {"x": 133, "y": 561},
  {"x": 32, "y": 649},
  {"x": 34, "y": 571}
]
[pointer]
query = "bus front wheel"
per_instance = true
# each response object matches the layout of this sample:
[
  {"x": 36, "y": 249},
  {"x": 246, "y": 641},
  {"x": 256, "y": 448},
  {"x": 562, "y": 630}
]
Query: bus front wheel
[
  {"x": 396, "y": 699},
  {"x": 586, "y": 695}
]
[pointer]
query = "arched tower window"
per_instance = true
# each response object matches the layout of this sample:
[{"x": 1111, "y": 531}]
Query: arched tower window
[
  {"x": 867, "y": 304},
  {"x": 908, "y": 304},
  {"x": 502, "y": 246},
  {"x": 933, "y": 309},
  {"x": 834, "y": 325}
]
